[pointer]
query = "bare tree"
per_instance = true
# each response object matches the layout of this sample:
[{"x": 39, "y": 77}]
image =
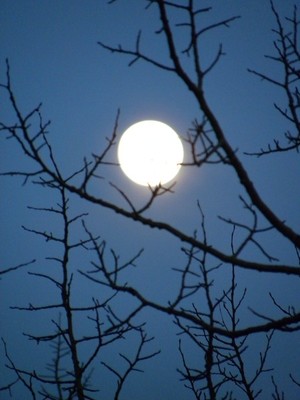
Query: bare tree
[
  {"x": 208, "y": 318},
  {"x": 69, "y": 373}
]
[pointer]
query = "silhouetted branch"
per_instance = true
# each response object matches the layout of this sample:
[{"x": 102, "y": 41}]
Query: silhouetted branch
[
  {"x": 132, "y": 365},
  {"x": 6, "y": 270},
  {"x": 288, "y": 56}
]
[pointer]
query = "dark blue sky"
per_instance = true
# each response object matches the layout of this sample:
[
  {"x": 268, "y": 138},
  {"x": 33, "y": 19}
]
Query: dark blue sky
[{"x": 54, "y": 58}]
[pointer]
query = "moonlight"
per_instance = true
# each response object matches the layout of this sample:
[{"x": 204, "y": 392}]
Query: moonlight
[{"x": 150, "y": 153}]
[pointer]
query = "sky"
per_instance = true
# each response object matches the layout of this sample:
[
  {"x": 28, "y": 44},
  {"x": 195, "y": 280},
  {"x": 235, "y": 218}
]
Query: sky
[{"x": 55, "y": 59}]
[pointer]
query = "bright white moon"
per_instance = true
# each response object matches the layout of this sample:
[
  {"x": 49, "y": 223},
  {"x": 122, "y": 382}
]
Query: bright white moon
[{"x": 150, "y": 153}]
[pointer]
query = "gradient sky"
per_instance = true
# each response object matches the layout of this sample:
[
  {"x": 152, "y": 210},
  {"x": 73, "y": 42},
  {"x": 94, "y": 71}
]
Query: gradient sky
[{"x": 54, "y": 58}]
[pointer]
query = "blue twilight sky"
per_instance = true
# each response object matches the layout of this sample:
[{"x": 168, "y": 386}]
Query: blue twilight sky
[{"x": 54, "y": 58}]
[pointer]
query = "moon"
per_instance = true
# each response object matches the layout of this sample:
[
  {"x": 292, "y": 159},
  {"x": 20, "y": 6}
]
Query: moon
[{"x": 150, "y": 153}]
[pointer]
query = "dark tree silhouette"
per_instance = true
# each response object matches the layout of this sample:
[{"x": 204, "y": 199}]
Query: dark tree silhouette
[{"x": 209, "y": 321}]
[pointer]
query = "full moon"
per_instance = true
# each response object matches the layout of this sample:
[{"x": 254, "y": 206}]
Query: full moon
[{"x": 150, "y": 153}]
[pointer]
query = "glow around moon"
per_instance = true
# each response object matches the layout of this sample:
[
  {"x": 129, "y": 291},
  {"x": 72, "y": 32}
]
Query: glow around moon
[{"x": 150, "y": 153}]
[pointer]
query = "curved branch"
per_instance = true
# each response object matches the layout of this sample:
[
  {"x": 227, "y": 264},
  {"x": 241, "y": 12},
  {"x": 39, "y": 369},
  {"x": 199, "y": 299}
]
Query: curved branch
[{"x": 230, "y": 259}]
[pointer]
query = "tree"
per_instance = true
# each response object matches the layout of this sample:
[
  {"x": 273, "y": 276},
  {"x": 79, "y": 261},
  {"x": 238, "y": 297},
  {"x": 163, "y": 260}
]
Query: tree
[{"x": 214, "y": 335}]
